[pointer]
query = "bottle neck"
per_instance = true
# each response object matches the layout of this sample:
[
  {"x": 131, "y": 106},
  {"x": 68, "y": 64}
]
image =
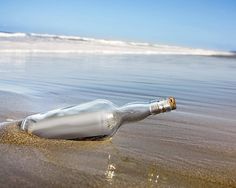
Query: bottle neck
[
  {"x": 139, "y": 111},
  {"x": 134, "y": 112},
  {"x": 162, "y": 106}
]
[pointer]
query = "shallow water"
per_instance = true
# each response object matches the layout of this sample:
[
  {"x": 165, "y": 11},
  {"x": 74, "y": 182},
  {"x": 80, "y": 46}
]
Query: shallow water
[{"x": 194, "y": 146}]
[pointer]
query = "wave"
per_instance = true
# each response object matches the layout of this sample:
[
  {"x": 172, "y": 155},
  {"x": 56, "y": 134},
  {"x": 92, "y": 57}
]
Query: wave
[
  {"x": 48, "y": 43},
  {"x": 111, "y": 52},
  {"x": 5, "y": 34}
]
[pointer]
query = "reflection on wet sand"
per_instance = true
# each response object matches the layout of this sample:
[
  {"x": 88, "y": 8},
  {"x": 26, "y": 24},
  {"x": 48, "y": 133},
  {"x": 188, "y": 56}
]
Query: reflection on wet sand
[
  {"x": 110, "y": 171},
  {"x": 153, "y": 175}
]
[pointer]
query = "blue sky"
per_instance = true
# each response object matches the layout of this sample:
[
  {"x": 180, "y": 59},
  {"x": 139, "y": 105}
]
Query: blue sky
[{"x": 193, "y": 23}]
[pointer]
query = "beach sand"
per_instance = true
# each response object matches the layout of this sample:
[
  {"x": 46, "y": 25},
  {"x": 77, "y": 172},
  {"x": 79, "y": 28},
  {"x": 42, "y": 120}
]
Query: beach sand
[{"x": 194, "y": 146}]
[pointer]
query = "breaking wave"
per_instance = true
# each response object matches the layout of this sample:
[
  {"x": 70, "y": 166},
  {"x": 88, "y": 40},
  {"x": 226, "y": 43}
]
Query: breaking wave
[{"x": 48, "y": 43}]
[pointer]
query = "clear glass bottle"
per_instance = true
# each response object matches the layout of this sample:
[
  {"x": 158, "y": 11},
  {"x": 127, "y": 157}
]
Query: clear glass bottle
[{"x": 93, "y": 120}]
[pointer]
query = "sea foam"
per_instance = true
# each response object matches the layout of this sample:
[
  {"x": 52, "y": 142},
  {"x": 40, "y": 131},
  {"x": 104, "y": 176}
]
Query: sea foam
[{"x": 48, "y": 43}]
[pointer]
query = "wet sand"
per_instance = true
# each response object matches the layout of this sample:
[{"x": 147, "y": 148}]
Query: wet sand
[{"x": 194, "y": 146}]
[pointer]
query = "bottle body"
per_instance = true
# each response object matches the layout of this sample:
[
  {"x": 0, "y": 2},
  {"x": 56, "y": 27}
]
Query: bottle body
[{"x": 96, "y": 119}]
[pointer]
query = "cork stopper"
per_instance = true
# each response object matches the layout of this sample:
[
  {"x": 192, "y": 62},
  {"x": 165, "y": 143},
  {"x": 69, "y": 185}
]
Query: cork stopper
[
  {"x": 162, "y": 106},
  {"x": 172, "y": 103}
]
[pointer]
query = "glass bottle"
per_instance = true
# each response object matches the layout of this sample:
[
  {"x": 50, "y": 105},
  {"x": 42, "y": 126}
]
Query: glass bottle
[{"x": 93, "y": 120}]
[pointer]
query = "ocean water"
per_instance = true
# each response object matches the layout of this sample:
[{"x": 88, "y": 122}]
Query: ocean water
[
  {"x": 61, "y": 44},
  {"x": 194, "y": 146}
]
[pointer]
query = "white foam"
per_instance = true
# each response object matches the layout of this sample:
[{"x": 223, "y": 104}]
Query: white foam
[
  {"x": 12, "y": 34},
  {"x": 47, "y": 43}
]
